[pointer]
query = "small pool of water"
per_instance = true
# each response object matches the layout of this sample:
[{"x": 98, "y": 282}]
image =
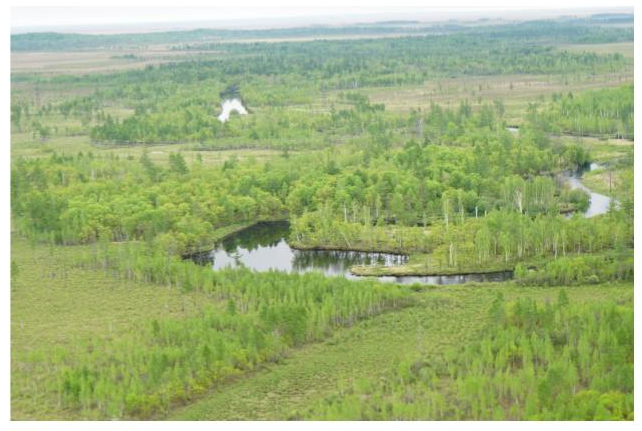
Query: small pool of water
[{"x": 264, "y": 247}]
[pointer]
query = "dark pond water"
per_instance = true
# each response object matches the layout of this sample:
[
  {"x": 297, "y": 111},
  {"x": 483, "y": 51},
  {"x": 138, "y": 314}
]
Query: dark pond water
[
  {"x": 600, "y": 204},
  {"x": 265, "y": 247}
]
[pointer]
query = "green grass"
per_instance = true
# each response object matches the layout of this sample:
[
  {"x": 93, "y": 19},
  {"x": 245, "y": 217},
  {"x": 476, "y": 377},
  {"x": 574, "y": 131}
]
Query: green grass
[
  {"x": 426, "y": 264},
  {"x": 527, "y": 364},
  {"x": 515, "y": 91},
  {"x": 58, "y": 305},
  {"x": 624, "y": 48},
  {"x": 24, "y": 145},
  {"x": 445, "y": 317},
  {"x": 54, "y": 304},
  {"x": 615, "y": 156},
  {"x": 607, "y": 182}
]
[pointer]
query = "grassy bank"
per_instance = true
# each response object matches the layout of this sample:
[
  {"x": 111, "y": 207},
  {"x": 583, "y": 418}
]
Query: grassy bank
[
  {"x": 221, "y": 233},
  {"x": 609, "y": 182},
  {"x": 425, "y": 264}
]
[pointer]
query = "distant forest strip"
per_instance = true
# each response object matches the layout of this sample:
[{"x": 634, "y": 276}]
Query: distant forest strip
[{"x": 578, "y": 31}]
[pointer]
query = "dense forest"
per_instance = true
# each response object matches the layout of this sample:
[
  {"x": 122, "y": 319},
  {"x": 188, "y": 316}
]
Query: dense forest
[{"x": 75, "y": 199}]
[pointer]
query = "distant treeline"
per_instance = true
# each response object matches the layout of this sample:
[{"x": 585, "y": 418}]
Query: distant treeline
[
  {"x": 50, "y": 41},
  {"x": 561, "y": 32}
]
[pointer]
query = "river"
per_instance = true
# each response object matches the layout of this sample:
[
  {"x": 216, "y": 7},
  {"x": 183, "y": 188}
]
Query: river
[
  {"x": 264, "y": 247},
  {"x": 599, "y": 204}
]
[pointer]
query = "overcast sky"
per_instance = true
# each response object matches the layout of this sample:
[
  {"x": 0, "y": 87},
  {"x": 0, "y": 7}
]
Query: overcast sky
[{"x": 245, "y": 12}]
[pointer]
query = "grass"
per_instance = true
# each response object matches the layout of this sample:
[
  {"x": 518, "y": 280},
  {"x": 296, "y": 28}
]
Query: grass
[
  {"x": 445, "y": 316},
  {"x": 515, "y": 91},
  {"x": 96, "y": 61},
  {"x": 601, "y": 150},
  {"x": 54, "y": 304},
  {"x": 615, "y": 157},
  {"x": 606, "y": 182},
  {"x": 23, "y": 145},
  {"x": 425, "y": 264},
  {"x": 624, "y": 48}
]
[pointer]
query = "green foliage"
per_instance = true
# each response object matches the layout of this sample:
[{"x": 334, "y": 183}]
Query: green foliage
[
  {"x": 172, "y": 360},
  {"x": 585, "y": 269},
  {"x": 501, "y": 235},
  {"x": 532, "y": 362},
  {"x": 577, "y": 31},
  {"x": 84, "y": 198},
  {"x": 177, "y": 164},
  {"x": 449, "y": 182},
  {"x": 606, "y": 112}
]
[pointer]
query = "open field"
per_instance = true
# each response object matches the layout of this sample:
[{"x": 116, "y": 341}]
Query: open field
[
  {"x": 515, "y": 91},
  {"x": 104, "y": 307},
  {"x": 98, "y": 61},
  {"x": 24, "y": 145},
  {"x": 624, "y": 48},
  {"x": 55, "y": 304},
  {"x": 445, "y": 316}
]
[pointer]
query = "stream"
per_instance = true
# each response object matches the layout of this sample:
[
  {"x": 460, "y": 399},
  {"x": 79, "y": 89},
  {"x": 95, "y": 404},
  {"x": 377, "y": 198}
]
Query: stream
[
  {"x": 599, "y": 204},
  {"x": 264, "y": 246}
]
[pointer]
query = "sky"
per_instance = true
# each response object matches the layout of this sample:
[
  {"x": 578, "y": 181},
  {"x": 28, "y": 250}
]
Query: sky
[{"x": 277, "y": 12}]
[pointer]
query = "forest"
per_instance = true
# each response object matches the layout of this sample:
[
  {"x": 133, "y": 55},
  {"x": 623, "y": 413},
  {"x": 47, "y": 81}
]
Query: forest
[
  {"x": 460, "y": 147},
  {"x": 577, "y": 32}
]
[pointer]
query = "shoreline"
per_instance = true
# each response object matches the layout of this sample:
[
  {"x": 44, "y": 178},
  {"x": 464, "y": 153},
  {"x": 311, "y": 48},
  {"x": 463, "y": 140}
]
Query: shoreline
[{"x": 406, "y": 271}]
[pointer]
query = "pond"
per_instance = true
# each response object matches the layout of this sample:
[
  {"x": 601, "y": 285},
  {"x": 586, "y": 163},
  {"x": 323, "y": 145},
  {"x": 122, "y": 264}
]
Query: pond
[
  {"x": 231, "y": 105},
  {"x": 264, "y": 246},
  {"x": 599, "y": 204}
]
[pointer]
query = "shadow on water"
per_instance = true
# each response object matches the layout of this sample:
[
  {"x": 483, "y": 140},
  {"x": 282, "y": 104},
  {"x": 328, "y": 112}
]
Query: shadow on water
[
  {"x": 450, "y": 279},
  {"x": 264, "y": 246}
]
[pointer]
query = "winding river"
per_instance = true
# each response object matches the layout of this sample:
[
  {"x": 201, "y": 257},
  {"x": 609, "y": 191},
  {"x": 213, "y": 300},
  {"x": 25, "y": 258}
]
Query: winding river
[
  {"x": 599, "y": 204},
  {"x": 265, "y": 247}
]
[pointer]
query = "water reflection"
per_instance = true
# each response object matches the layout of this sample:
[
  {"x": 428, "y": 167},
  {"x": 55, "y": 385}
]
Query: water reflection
[
  {"x": 265, "y": 247},
  {"x": 451, "y": 279}
]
